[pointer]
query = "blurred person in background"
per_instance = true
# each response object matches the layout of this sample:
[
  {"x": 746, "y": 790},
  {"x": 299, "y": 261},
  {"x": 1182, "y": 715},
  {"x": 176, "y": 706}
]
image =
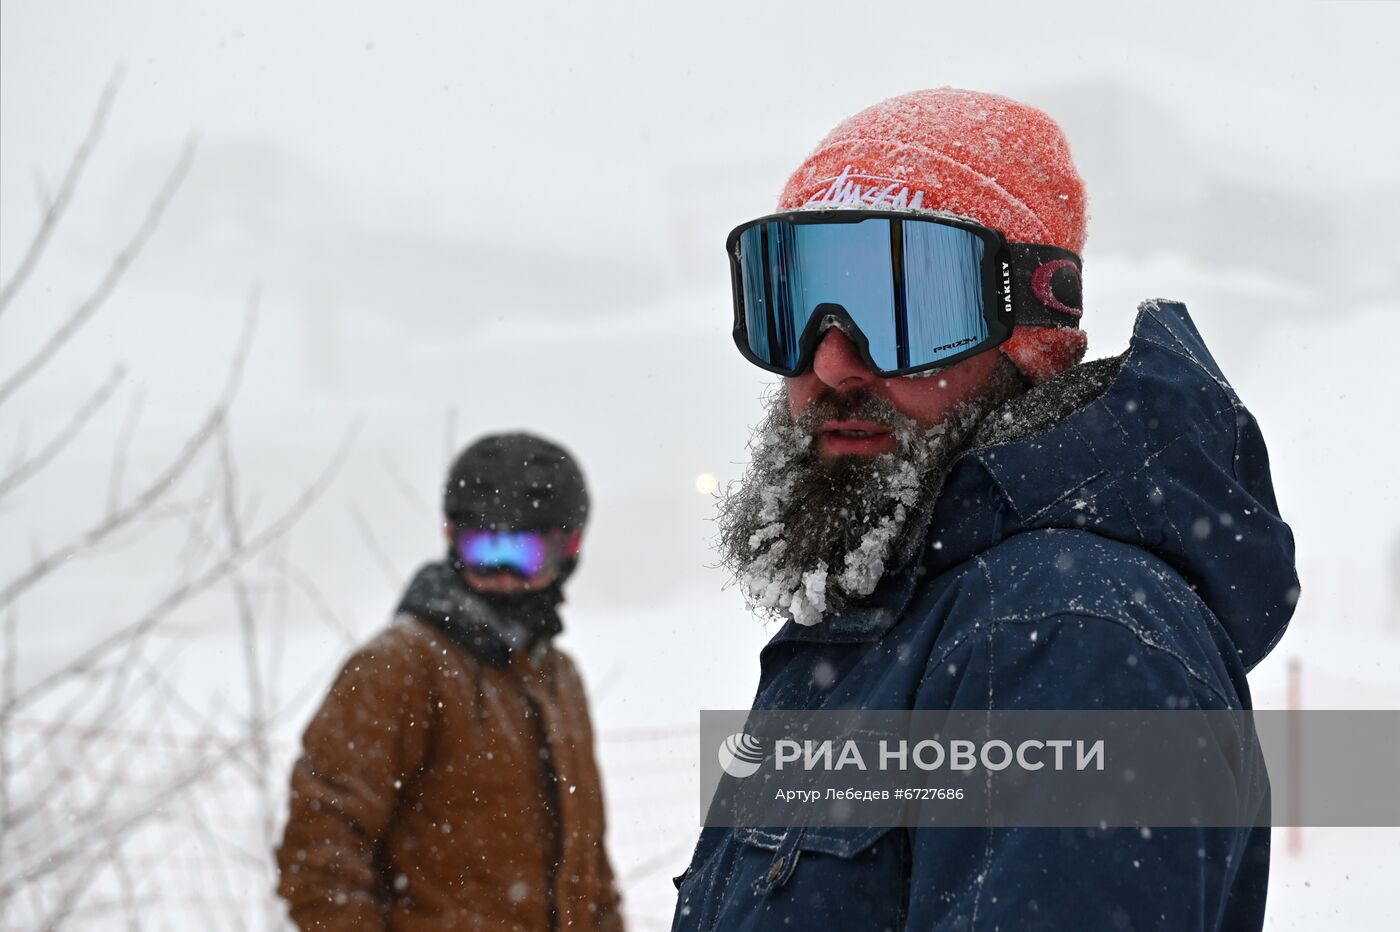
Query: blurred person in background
[
  {"x": 948, "y": 510},
  {"x": 448, "y": 780}
]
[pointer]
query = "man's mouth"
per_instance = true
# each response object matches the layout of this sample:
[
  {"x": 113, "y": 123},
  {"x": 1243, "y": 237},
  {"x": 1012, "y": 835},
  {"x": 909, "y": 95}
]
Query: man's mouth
[{"x": 855, "y": 438}]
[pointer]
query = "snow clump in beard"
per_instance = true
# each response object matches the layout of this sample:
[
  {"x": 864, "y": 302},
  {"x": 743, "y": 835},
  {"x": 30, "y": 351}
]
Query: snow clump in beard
[{"x": 803, "y": 536}]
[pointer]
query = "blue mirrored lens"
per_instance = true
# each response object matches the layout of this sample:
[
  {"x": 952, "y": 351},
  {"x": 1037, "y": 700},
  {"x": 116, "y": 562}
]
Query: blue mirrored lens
[
  {"x": 788, "y": 270},
  {"x": 773, "y": 326},
  {"x": 943, "y": 291},
  {"x": 523, "y": 551}
]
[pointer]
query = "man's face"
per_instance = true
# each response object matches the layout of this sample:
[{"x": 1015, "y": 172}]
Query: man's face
[
  {"x": 927, "y": 400},
  {"x": 840, "y": 464},
  {"x": 507, "y": 584}
]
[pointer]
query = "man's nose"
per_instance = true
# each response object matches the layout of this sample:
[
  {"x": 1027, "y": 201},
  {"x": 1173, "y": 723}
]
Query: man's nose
[{"x": 837, "y": 363}]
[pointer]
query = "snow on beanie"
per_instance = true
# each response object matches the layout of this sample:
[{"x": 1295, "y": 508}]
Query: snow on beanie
[{"x": 990, "y": 159}]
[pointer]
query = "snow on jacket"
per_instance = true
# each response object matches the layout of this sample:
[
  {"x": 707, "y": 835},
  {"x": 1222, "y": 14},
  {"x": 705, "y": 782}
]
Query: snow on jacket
[
  {"x": 442, "y": 788},
  {"x": 1110, "y": 542}
]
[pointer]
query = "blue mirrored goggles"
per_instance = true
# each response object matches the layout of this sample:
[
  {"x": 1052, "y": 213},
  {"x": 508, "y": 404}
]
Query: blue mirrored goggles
[
  {"x": 913, "y": 292},
  {"x": 527, "y": 553}
]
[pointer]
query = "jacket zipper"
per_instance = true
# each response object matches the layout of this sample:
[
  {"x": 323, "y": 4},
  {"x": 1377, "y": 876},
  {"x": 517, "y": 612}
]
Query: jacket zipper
[{"x": 550, "y": 779}]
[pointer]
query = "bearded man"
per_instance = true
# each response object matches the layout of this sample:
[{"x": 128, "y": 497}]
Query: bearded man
[{"x": 949, "y": 511}]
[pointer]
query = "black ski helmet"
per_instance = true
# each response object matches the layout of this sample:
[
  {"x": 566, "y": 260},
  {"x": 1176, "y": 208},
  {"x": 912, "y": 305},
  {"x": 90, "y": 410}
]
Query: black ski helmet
[{"x": 515, "y": 482}]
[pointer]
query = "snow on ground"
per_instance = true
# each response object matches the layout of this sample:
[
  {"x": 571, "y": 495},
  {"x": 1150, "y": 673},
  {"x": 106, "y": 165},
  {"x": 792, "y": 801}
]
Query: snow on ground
[{"x": 1340, "y": 879}]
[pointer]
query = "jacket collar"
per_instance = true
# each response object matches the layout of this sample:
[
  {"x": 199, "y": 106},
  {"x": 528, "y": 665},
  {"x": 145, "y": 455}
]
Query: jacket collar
[
  {"x": 1135, "y": 449},
  {"x": 866, "y": 621},
  {"x": 963, "y": 513},
  {"x": 490, "y": 630}
]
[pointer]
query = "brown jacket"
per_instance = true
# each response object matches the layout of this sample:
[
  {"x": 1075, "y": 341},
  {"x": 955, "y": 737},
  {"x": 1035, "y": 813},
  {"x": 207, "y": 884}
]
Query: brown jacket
[{"x": 423, "y": 798}]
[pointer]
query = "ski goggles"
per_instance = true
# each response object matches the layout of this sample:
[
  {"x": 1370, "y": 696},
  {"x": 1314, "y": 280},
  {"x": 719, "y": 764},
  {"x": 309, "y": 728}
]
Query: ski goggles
[
  {"x": 526, "y": 553},
  {"x": 913, "y": 292}
]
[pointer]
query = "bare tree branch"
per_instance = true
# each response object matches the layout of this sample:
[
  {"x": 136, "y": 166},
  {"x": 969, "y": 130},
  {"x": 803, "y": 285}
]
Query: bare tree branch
[
  {"x": 41, "y": 190},
  {"x": 99, "y": 295},
  {"x": 80, "y": 758},
  {"x": 83, "y": 803},
  {"x": 72, "y": 892},
  {"x": 281, "y": 603},
  {"x": 228, "y": 476},
  {"x": 10, "y": 656},
  {"x": 406, "y": 489},
  {"x": 248, "y": 631},
  {"x": 21, "y": 445},
  {"x": 10, "y": 660},
  {"x": 85, "y": 693},
  {"x": 206, "y": 831},
  {"x": 376, "y": 552},
  {"x": 79, "y": 762},
  {"x": 171, "y": 700},
  {"x": 318, "y": 601},
  {"x": 116, "y": 479},
  {"x": 178, "y": 465},
  {"x": 220, "y": 570},
  {"x": 96, "y": 835},
  {"x": 56, "y": 207},
  {"x": 35, "y": 464},
  {"x": 128, "y": 889},
  {"x": 115, "y": 829},
  {"x": 449, "y": 436},
  {"x": 199, "y": 540}
]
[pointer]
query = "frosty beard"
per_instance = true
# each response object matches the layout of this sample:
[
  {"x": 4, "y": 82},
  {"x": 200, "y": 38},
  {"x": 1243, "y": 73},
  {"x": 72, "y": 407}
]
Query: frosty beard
[{"x": 804, "y": 537}]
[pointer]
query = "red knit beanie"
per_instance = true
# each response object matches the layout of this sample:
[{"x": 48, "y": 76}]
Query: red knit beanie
[{"x": 987, "y": 158}]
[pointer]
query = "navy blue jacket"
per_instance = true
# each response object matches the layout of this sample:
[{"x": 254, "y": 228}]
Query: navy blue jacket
[{"x": 1124, "y": 552}]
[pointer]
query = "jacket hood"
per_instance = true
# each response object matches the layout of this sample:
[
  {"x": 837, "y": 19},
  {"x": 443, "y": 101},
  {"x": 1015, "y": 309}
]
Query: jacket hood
[{"x": 1153, "y": 449}]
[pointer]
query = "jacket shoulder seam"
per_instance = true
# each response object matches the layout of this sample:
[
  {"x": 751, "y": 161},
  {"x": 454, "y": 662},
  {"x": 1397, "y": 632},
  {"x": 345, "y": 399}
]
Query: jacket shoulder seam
[{"x": 989, "y": 627}]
